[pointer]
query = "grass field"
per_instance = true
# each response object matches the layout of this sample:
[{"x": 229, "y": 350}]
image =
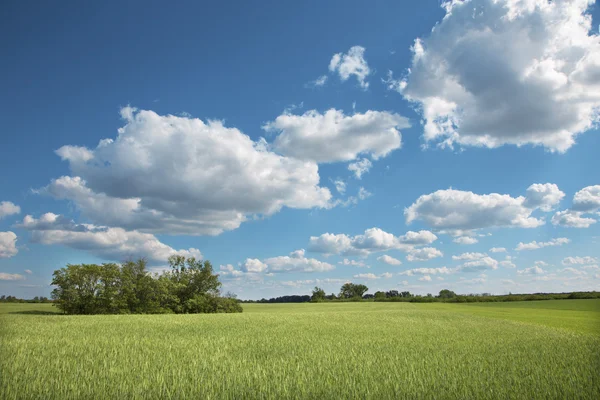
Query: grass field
[{"x": 546, "y": 349}]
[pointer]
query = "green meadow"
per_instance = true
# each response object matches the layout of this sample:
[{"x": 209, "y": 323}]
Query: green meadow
[{"x": 520, "y": 350}]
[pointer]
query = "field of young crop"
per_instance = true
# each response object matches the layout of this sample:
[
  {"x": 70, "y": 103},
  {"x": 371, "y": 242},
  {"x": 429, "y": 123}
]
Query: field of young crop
[{"x": 543, "y": 350}]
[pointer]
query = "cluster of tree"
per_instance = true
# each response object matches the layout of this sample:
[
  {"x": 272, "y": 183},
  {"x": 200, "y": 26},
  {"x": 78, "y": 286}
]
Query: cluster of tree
[
  {"x": 190, "y": 286},
  {"x": 13, "y": 299}
]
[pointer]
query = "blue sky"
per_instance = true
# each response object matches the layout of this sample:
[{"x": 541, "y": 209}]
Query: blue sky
[{"x": 304, "y": 144}]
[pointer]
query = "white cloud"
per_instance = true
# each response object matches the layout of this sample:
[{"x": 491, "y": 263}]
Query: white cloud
[
  {"x": 360, "y": 167},
  {"x": 480, "y": 264},
  {"x": 456, "y": 210},
  {"x": 334, "y": 137},
  {"x": 353, "y": 263},
  {"x": 296, "y": 262},
  {"x": 179, "y": 175},
  {"x": 585, "y": 201},
  {"x": 535, "y": 270},
  {"x": 579, "y": 260},
  {"x": 425, "y": 278},
  {"x": 364, "y": 193},
  {"x": 543, "y": 196},
  {"x": 538, "y": 245},
  {"x": 352, "y": 63},
  {"x": 469, "y": 256},
  {"x": 496, "y": 72},
  {"x": 426, "y": 271},
  {"x": 386, "y": 275},
  {"x": 424, "y": 254},
  {"x": 498, "y": 250},
  {"x": 229, "y": 270},
  {"x": 507, "y": 264},
  {"x": 28, "y": 271},
  {"x": 11, "y": 277},
  {"x": 573, "y": 271},
  {"x": 366, "y": 276},
  {"x": 114, "y": 244},
  {"x": 389, "y": 260},
  {"x": 8, "y": 244},
  {"x": 253, "y": 265},
  {"x": 372, "y": 240},
  {"x": 7, "y": 208},
  {"x": 465, "y": 240},
  {"x": 572, "y": 219},
  {"x": 340, "y": 186},
  {"x": 320, "y": 81}
]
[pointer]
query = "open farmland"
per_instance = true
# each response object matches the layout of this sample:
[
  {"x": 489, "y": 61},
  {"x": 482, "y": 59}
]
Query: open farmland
[{"x": 334, "y": 350}]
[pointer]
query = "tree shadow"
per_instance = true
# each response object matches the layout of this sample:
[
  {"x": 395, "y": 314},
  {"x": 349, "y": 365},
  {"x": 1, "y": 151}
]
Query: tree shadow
[{"x": 34, "y": 312}]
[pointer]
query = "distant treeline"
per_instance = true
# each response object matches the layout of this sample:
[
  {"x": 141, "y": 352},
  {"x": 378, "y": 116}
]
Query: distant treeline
[
  {"x": 190, "y": 286},
  {"x": 354, "y": 292},
  {"x": 13, "y": 299}
]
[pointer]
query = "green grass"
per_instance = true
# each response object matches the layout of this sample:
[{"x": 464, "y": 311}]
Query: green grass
[{"x": 330, "y": 351}]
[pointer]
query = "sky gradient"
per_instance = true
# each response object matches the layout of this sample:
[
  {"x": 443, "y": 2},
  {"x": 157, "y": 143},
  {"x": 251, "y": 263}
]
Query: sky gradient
[{"x": 413, "y": 146}]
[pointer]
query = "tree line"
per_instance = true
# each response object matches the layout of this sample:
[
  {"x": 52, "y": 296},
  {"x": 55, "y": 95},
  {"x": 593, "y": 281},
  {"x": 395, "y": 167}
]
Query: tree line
[
  {"x": 189, "y": 286},
  {"x": 13, "y": 299}
]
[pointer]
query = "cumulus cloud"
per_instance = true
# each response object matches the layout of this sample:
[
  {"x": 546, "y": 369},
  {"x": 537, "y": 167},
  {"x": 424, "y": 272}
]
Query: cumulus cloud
[
  {"x": 340, "y": 186},
  {"x": 535, "y": 270},
  {"x": 498, "y": 250},
  {"x": 469, "y": 256},
  {"x": 11, "y": 277},
  {"x": 253, "y": 265},
  {"x": 573, "y": 271},
  {"x": 372, "y": 240},
  {"x": 389, "y": 260},
  {"x": 567, "y": 261},
  {"x": 354, "y": 263},
  {"x": 480, "y": 264},
  {"x": 459, "y": 211},
  {"x": 465, "y": 240},
  {"x": 320, "y": 81},
  {"x": 335, "y": 137},
  {"x": 425, "y": 278},
  {"x": 585, "y": 201},
  {"x": 538, "y": 245},
  {"x": 28, "y": 271},
  {"x": 424, "y": 254},
  {"x": 352, "y": 63},
  {"x": 296, "y": 262},
  {"x": 360, "y": 167},
  {"x": 7, "y": 208},
  {"x": 180, "y": 175},
  {"x": 572, "y": 219},
  {"x": 426, "y": 271},
  {"x": 114, "y": 244},
  {"x": 8, "y": 244},
  {"x": 497, "y": 72}
]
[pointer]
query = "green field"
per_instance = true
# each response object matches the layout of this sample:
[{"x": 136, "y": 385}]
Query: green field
[{"x": 544, "y": 349}]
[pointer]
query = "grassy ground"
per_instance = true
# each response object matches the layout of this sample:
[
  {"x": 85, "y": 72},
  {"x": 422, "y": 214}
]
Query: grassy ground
[{"x": 528, "y": 350}]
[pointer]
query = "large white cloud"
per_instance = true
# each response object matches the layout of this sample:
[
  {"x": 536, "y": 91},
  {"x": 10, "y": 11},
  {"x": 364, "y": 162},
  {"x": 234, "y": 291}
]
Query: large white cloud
[
  {"x": 333, "y": 136},
  {"x": 497, "y": 72},
  {"x": 424, "y": 254},
  {"x": 115, "y": 244},
  {"x": 585, "y": 201},
  {"x": 8, "y": 244},
  {"x": 459, "y": 211},
  {"x": 372, "y": 240},
  {"x": 538, "y": 245},
  {"x": 179, "y": 175},
  {"x": 7, "y": 208},
  {"x": 350, "y": 64}
]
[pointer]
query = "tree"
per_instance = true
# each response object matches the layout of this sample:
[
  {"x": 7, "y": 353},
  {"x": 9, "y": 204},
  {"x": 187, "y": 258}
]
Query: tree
[
  {"x": 446, "y": 294},
  {"x": 318, "y": 294},
  {"x": 380, "y": 295},
  {"x": 350, "y": 290},
  {"x": 392, "y": 293}
]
